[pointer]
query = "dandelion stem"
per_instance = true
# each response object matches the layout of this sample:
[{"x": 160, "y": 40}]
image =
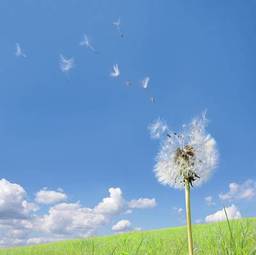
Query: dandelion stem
[{"x": 188, "y": 217}]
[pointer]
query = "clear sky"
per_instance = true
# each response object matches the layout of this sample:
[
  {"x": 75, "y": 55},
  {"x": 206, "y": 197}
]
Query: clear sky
[{"x": 84, "y": 131}]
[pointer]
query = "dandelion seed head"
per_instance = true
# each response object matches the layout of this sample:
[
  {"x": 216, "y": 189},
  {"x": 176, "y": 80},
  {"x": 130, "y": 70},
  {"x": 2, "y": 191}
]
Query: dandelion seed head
[{"x": 188, "y": 155}]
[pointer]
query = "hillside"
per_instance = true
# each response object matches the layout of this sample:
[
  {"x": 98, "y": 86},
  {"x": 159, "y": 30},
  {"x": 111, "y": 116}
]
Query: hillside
[{"x": 210, "y": 239}]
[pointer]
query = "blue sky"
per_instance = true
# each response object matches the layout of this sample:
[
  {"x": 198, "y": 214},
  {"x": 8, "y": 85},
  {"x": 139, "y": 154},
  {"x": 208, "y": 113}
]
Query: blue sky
[{"x": 85, "y": 132}]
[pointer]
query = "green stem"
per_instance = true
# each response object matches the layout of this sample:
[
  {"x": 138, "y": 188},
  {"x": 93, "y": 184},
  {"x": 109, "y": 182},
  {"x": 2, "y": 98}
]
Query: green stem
[{"x": 188, "y": 217}]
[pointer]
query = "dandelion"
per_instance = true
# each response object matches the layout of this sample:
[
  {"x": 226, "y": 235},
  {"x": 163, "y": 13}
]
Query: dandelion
[{"x": 187, "y": 159}]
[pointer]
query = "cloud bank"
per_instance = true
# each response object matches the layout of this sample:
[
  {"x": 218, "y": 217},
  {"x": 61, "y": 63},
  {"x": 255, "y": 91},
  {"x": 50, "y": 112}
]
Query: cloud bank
[{"x": 23, "y": 222}]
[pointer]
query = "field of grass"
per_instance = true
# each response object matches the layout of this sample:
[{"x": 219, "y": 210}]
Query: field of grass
[{"x": 211, "y": 239}]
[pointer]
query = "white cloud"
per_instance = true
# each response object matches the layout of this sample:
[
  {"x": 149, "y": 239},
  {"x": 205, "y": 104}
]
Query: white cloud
[
  {"x": 113, "y": 204},
  {"x": 178, "y": 210},
  {"x": 15, "y": 231},
  {"x": 39, "y": 240},
  {"x": 142, "y": 203},
  {"x": 70, "y": 220},
  {"x": 122, "y": 226},
  {"x": 20, "y": 223},
  {"x": 209, "y": 201},
  {"x": 12, "y": 201},
  {"x": 180, "y": 213},
  {"x": 243, "y": 191},
  {"x": 45, "y": 196},
  {"x": 232, "y": 213}
]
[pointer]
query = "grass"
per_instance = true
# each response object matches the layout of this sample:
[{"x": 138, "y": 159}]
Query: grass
[{"x": 237, "y": 237}]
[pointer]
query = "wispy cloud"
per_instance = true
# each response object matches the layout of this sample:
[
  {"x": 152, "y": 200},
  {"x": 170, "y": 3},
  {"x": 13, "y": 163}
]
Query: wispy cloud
[
  {"x": 179, "y": 210},
  {"x": 243, "y": 191},
  {"x": 142, "y": 203},
  {"x": 209, "y": 201}
]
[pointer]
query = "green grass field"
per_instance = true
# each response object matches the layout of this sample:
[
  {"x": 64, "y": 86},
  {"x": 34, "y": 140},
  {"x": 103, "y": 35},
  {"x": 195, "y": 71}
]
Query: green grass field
[{"x": 209, "y": 239}]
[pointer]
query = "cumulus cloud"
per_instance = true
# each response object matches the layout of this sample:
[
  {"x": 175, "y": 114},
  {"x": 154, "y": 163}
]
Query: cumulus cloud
[
  {"x": 122, "y": 226},
  {"x": 209, "y": 201},
  {"x": 46, "y": 196},
  {"x": 232, "y": 213},
  {"x": 13, "y": 203},
  {"x": 243, "y": 191},
  {"x": 142, "y": 203},
  {"x": 15, "y": 231},
  {"x": 20, "y": 223},
  {"x": 71, "y": 219},
  {"x": 113, "y": 204}
]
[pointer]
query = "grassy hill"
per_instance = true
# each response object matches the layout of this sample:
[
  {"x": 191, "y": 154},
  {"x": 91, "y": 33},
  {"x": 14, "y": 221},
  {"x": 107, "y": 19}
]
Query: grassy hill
[{"x": 209, "y": 239}]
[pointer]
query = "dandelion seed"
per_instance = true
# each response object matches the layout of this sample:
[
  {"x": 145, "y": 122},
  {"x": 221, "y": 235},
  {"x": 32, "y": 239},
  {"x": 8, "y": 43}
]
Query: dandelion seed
[
  {"x": 152, "y": 99},
  {"x": 128, "y": 83},
  {"x": 19, "y": 52},
  {"x": 117, "y": 25},
  {"x": 115, "y": 71},
  {"x": 86, "y": 42},
  {"x": 157, "y": 129},
  {"x": 145, "y": 82},
  {"x": 66, "y": 64}
]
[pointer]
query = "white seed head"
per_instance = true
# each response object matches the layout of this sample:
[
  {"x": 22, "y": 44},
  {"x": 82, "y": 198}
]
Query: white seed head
[{"x": 189, "y": 155}]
